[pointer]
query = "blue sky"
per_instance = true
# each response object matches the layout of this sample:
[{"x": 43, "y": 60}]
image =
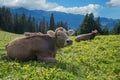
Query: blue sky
[
  {"x": 103, "y": 8},
  {"x": 73, "y": 3}
]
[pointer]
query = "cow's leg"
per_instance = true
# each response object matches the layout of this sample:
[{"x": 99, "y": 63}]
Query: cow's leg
[
  {"x": 77, "y": 40},
  {"x": 46, "y": 59},
  {"x": 50, "y": 60}
]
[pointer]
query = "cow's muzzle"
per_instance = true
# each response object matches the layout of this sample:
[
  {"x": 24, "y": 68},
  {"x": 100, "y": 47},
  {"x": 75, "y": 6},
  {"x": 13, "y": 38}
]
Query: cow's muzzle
[{"x": 68, "y": 42}]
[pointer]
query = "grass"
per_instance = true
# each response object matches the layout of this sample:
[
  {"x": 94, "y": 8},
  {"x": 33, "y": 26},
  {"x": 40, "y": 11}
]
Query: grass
[{"x": 98, "y": 59}]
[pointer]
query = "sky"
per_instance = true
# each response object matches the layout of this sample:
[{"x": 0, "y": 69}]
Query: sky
[{"x": 102, "y": 8}]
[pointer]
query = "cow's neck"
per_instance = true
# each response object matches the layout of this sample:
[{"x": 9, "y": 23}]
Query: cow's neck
[
  {"x": 93, "y": 35},
  {"x": 58, "y": 44}
]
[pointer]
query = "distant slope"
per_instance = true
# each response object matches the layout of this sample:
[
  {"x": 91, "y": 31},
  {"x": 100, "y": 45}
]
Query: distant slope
[
  {"x": 4, "y": 35},
  {"x": 73, "y": 20}
]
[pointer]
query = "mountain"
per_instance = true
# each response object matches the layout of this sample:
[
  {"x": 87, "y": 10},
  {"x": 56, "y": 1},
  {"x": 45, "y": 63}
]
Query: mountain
[{"x": 73, "y": 20}]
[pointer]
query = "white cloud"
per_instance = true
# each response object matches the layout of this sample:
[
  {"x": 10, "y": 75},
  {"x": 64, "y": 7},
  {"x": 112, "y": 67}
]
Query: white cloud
[
  {"x": 42, "y": 4},
  {"x": 91, "y": 8},
  {"x": 113, "y": 3},
  {"x": 29, "y": 4}
]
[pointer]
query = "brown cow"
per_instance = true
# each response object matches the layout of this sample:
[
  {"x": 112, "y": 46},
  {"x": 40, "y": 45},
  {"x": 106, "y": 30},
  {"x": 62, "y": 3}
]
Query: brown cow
[
  {"x": 32, "y": 33},
  {"x": 87, "y": 36},
  {"x": 39, "y": 47}
]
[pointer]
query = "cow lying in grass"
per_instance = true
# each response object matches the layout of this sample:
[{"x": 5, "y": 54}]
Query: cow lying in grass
[
  {"x": 39, "y": 47},
  {"x": 32, "y": 34},
  {"x": 87, "y": 36}
]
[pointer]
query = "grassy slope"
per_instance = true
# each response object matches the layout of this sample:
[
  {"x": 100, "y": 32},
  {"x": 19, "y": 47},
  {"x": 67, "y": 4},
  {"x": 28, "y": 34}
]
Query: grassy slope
[{"x": 98, "y": 59}]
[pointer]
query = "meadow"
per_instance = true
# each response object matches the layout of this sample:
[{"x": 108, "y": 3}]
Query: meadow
[{"x": 98, "y": 59}]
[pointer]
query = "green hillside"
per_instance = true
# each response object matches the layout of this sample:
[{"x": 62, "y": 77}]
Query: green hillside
[{"x": 98, "y": 59}]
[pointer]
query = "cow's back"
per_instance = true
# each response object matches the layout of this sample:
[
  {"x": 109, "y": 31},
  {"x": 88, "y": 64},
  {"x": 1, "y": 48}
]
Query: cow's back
[
  {"x": 83, "y": 37},
  {"x": 26, "y": 48}
]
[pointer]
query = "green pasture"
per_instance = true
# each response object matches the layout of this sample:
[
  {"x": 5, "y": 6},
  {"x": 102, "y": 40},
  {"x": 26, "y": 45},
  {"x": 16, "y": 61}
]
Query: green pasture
[{"x": 98, "y": 59}]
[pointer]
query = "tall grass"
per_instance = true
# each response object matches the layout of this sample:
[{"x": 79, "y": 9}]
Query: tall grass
[{"x": 98, "y": 59}]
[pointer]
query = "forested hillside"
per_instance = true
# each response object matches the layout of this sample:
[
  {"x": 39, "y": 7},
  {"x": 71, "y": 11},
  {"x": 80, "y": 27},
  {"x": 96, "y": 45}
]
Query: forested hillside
[{"x": 20, "y": 23}]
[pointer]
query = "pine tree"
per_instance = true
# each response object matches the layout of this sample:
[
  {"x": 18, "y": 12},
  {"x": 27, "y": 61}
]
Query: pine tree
[
  {"x": 0, "y": 18},
  {"x": 43, "y": 25},
  {"x": 105, "y": 30},
  {"x": 21, "y": 23},
  {"x": 84, "y": 26},
  {"x": 89, "y": 24},
  {"x": 98, "y": 25},
  {"x": 116, "y": 29},
  {"x": 16, "y": 23},
  {"x": 62, "y": 24},
  {"x": 3, "y": 18},
  {"x": 33, "y": 25},
  {"x": 52, "y": 23},
  {"x": 8, "y": 20},
  {"x": 29, "y": 24}
]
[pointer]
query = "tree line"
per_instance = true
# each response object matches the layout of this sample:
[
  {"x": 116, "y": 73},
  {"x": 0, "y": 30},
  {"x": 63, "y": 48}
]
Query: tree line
[
  {"x": 21, "y": 23},
  {"x": 90, "y": 23}
]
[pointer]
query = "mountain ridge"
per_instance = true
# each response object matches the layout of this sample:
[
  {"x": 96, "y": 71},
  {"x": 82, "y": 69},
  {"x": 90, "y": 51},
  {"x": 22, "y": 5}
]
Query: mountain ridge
[{"x": 73, "y": 20}]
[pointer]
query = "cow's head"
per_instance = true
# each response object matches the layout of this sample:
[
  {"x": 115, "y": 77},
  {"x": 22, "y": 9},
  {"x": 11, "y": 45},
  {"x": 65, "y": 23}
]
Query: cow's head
[
  {"x": 61, "y": 36},
  {"x": 95, "y": 32}
]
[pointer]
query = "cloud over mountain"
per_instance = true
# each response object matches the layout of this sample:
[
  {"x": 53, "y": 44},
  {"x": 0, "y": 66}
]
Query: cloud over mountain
[
  {"x": 48, "y": 6},
  {"x": 113, "y": 3},
  {"x": 91, "y": 8}
]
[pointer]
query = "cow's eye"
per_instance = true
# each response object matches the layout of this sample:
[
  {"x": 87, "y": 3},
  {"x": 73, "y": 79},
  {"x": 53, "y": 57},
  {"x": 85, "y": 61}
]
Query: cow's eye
[{"x": 67, "y": 33}]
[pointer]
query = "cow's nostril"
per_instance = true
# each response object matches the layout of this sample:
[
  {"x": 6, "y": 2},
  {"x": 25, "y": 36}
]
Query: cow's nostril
[{"x": 69, "y": 41}]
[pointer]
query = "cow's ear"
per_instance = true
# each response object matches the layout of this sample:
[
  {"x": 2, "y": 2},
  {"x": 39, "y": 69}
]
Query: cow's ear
[
  {"x": 70, "y": 32},
  {"x": 95, "y": 31},
  {"x": 51, "y": 33}
]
